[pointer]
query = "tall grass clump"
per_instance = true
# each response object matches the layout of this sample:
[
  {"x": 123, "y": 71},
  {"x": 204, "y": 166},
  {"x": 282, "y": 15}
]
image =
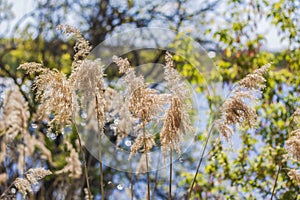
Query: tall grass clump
[{"x": 131, "y": 112}]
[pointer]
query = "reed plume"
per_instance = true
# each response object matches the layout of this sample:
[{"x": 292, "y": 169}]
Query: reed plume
[
  {"x": 55, "y": 91},
  {"x": 292, "y": 147},
  {"x": 177, "y": 121},
  {"x": 24, "y": 185},
  {"x": 294, "y": 175},
  {"x": 235, "y": 110},
  {"x": 144, "y": 104},
  {"x": 14, "y": 119}
]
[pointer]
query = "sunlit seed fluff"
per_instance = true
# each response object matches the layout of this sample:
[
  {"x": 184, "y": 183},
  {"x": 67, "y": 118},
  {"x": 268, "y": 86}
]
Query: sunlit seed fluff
[
  {"x": 296, "y": 116},
  {"x": 293, "y": 144},
  {"x": 35, "y": 174},
  {"x": 54, "y": 91},
  {"x": 225, "y": 130},
  {"x": 89, "y": 76},
  {"x": 294, "y": 175},
  {"x": 32, "y": 68},
  {"x": 297, "y": 112},
  {"x": 15, "y": 114},
  {"x": 143, "y": 102},
  {"x": 255, "y": 80},
  {"x": 174, "y": 82},
  {"x": 32, "y": 176},
  {"x": 236, "y": 109},
  {"x": 82, "y": 46},
  {"x": 177, "y": 121},
  {"x": 170, "y": 136},
  {"x": 90, "y": 83},
  {"x": 23, "y": 186},
  {"x": 145, "y": 143},
  {"x": 123, "y": 64}
]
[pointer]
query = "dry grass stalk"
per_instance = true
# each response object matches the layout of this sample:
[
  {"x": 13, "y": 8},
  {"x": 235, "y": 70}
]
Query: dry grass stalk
[
  {"x": 177, "y": 121},
  {"x": 235, "y": 109},
  {"x": 143, "y": 103},
  {"x": 169, "y": 136},
  {"x": 55, "y": 92}
]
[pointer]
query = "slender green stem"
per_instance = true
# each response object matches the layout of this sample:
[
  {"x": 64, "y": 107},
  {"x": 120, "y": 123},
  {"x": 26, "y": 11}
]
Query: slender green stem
[
  {"x": 170, "y": 181},
  {"x": 276, "y": 179},
  {"x": 200, "y": 161}
]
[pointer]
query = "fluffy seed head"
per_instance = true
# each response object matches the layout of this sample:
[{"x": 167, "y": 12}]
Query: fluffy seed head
[
  {"x": 15, "y": 114},
  {"x": 255, "y": 80},
  {"x": 294, "y": 175},
  {"x": 177, "y": 121},
  {"x": 23, "y": 186},
  {"x": 170, "y": 136},
  {"x": 146, "y": 143},
  {"x": 235, "y": 110},
  {"x": 82, "y": 46},
  {"x": 36, "y": 174},
  {"x": 293, "y": 145}
]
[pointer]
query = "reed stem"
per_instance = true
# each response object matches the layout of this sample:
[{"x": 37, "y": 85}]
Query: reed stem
[
  {"x": 170, "y": 181},
  {"x": 276, "y": 179},
  {"x": 200, "y": 161},
  {"x": 85, "y": 167},
  {"x": 100, "y": 132},
  {"x": 147, "y": 165}
]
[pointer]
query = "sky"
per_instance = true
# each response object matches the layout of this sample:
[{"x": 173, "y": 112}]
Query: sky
[{"x": 21, "y": 7}]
